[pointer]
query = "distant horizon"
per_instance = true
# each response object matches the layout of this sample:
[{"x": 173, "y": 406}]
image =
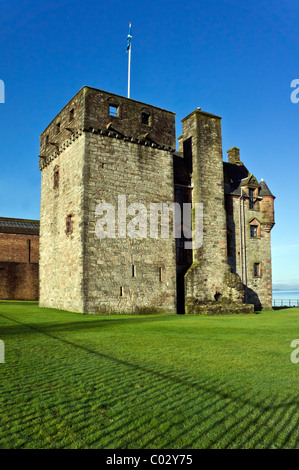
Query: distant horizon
[
  {"x": 285, "y": 290},
  {"x": 285, "y": 286}
]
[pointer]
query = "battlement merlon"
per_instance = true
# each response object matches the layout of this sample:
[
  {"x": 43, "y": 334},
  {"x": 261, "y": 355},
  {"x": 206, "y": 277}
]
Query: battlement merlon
[{"x": 92, "y": 108}]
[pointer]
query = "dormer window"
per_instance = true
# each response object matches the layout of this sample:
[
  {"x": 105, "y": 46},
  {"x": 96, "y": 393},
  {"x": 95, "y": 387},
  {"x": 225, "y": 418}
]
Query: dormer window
[
  {"x": 253, "y": 231},
  {"x": 255, "y": 228},
  {"x": 251, "y": 198},
  {"x": 57, "y": 127}
]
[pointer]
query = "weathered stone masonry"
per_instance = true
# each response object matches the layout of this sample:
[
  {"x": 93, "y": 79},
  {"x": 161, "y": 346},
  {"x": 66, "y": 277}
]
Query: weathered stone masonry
[
  {"x": 102, "y": 159},
  {"x": 102, "y": 146}
]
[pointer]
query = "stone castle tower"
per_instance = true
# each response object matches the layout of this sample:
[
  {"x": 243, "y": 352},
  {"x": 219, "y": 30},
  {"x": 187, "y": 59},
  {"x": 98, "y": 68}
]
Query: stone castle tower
[{"x": 104, "y": 148}]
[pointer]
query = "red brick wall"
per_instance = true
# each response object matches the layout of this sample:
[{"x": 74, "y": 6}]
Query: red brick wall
[{"x": 19, "y": 266}]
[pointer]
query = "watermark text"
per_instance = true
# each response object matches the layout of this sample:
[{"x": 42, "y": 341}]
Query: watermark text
[
  {"x": 295, "y": 93},
  {"x": 160, "y": 220},
  {"x": 2, "y": 352},
  {"x": 2, "y": 92}
]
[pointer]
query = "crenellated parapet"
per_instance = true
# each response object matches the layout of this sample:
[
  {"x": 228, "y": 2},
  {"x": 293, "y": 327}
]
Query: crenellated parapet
[{"x": 59, "y": 148}]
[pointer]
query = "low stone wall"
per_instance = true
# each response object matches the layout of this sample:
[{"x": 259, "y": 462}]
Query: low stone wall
[{"x": 194, "y": 306}]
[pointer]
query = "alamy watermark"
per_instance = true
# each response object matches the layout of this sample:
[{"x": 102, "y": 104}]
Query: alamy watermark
[
  {"x": 295, "y": 344},
  {"x": 295, "y": 93},
  {"x": 2, "y": 91},
  {"x": 2, "y": 352},
  {"x": 187, "y": 221}
]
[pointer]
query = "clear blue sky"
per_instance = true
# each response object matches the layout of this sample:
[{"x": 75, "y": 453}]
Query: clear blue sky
[{"x": 233, "y": 58}]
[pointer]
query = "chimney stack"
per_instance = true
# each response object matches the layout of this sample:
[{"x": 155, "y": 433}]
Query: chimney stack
[{"x": 234, "y": 156}]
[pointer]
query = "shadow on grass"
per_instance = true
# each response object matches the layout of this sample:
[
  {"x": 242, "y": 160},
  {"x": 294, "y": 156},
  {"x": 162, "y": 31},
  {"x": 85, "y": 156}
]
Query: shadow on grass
[
  {"x": 83, "y": 325},
  {"x": 284, "y": 307},
  {"x": 123, "y": 404}
]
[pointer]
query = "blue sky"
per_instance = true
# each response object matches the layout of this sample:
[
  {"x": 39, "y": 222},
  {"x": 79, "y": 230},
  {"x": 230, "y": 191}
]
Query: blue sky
[{"x": 233, "y": 58}]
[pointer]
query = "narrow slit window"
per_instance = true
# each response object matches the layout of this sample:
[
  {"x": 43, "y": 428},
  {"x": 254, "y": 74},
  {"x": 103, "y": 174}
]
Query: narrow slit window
[
  {"x": 47, "y": 140},
  {"x": 56, "y": 177},
  {"x": 133, "y": 271},
  {"x": 71, "y": 114},
  {"x": 120, "y": 291},
  {"x": 69, "y": 224},
  {"x": 113, "y": 110},
  {"x": 257, "y": 269},
  {"x": 251, "y": 198},
  {"x": 160, "y": 274},
  {"x": 29, "y": 250},
  {"x": 57, "y": 127}
]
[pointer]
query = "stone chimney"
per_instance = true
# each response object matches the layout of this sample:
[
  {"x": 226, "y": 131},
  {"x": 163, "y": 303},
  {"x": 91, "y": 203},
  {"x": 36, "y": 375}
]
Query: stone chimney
[{"x": 234, "y": 156}]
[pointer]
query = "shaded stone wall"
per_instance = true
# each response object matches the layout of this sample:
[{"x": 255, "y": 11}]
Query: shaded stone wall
[
  {"x": 90, "y": 108},
  {"x": 128, "y": 122}
]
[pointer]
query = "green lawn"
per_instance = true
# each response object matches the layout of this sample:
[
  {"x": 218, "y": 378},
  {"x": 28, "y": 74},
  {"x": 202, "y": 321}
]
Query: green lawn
[{"x": 161, "y": 381}]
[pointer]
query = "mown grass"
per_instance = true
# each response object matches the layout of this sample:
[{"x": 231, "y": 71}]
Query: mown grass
[{"x": 161, "y": 381}]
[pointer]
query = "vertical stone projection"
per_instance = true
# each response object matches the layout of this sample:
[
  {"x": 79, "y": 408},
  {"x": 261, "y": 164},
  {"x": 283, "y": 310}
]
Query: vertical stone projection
[{"x": 210, "y": 286}]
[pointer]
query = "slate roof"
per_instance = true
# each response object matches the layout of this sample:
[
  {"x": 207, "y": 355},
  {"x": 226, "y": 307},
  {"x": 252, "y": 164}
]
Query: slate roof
[
  {"x": 236, "y": 176},
  {"x": 265, "y": 191},
  {"x": 24, "y": 226}
]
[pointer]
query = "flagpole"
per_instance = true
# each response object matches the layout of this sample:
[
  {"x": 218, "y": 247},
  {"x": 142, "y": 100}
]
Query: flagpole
[{"x": 129, "y": 71}]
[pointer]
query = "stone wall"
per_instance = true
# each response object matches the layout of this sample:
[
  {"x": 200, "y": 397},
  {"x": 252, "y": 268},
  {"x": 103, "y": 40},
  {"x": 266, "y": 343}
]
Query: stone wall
[
  {"x": 145, "y": 175},
  {"x": 258, "y": 250},
  {"x": 61, "y": 254},
  {"x": 99, "y": 157},
  {"x": 104, "y": 146},
  {"x": 208, "y": 280},
  {"x": 128, "y": 122}
]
